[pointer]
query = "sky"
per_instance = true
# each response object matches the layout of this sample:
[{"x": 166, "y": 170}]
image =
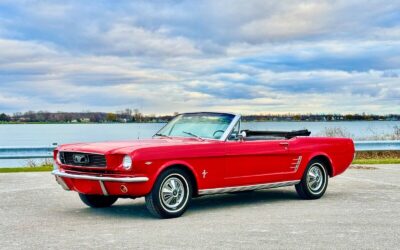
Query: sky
[{"x": 179, "y": 56}]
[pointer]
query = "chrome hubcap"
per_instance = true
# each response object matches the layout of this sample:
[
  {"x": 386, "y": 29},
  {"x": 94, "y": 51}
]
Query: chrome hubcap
[
  {"x": 172, "y": 193},
  {"x": 315, "y": 178}
]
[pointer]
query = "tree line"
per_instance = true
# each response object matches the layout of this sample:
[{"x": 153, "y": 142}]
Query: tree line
[{"x": 129, "y": 115}]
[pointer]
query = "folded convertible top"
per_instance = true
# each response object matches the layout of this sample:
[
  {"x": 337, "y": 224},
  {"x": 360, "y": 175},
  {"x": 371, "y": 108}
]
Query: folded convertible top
[{"x": 285, "y": 134}]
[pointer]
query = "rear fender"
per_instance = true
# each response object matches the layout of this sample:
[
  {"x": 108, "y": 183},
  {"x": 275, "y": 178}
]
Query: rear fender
[{"x": 331, "y": 171}]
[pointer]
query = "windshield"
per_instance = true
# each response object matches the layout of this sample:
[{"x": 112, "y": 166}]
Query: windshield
[{"x": 200, "y": 125}]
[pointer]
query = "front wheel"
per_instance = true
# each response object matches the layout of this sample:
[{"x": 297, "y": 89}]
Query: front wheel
[
  {"x": 314, "y": 182},
  {"x": 97, "y": 201},
  {"x": 170, "y": 195}
]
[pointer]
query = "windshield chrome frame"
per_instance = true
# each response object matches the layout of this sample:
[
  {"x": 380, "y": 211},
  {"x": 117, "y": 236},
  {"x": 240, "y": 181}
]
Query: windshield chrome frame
[
  {"x": 224, "y": 136},
  {"x": 231, "y": 126}
]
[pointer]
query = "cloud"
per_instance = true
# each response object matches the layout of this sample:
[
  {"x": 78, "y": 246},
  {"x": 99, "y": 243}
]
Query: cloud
[
  {"x": 343, "y": 55},
  {"x": 166, "y": 56}
]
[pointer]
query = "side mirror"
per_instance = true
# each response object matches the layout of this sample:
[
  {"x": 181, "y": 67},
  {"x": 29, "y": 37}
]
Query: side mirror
[{"x": 242, "y": 135}]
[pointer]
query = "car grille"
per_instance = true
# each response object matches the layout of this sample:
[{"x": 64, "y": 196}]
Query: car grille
[{"x": 83, "y": 159}]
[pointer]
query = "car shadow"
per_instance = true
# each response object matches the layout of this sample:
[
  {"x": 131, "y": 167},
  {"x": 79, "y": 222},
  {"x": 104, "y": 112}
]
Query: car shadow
[
  {"x": 133, "y": 209},
  {"x": 223, "y": 201},
  {"x": 137, "y": 209}
]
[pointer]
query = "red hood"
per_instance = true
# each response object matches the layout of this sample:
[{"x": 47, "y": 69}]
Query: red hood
[{"x": 126, "y": 147}]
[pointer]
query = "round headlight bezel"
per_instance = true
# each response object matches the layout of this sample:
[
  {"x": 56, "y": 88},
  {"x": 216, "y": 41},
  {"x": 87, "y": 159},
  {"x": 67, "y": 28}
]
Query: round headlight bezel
[
  {"x": 127, "y": 162},
  {"x": 58, "y": 159}
]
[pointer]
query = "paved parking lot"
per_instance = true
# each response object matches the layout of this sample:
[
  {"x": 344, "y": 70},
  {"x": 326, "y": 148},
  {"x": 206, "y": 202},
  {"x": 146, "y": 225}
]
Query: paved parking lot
[{"x": 361, "y": 209}]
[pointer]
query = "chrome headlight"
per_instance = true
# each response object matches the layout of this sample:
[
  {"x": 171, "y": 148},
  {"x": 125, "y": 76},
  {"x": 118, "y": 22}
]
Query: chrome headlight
[
  {"x": 58, "y": 158},
  {"x": 127, "y": 162},
  {"x": 56, "y": 161}
]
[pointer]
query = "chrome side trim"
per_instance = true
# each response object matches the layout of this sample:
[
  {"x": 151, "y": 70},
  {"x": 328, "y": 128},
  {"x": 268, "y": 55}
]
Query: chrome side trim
[
  {"x": 296, "y": 163},
  {"x": 99, "y": 178},
  {"x": 62, "y": 183},
  {"x": 230, "y": 128},
  {"x": 247, "y": 188},
  {"x": 103, "y": 188}
]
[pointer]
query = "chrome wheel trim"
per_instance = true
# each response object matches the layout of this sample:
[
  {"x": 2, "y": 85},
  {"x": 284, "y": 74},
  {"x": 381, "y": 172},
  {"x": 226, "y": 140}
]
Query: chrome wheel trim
[
  {"x": 173, "y": 193},
  {"x": 316, "y": 178}
]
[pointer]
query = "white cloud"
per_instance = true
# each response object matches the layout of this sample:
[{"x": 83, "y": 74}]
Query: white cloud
[
  {"x": 125, "y": 40},
  {"x": 297, "y": 21}
]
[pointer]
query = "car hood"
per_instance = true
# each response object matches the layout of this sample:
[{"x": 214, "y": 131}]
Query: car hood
[{"x": 126, "y": 147}]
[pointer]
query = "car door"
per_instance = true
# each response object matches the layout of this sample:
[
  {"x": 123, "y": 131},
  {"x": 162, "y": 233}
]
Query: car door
[{"x": 258, "y": 161}]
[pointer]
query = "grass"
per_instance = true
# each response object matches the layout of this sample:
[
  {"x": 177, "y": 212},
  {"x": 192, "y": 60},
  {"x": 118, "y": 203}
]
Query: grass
[
  {"x": 377, "y": 161},
  {"x": 44, "y": 168},
  {"x": 377, "y": 157}
]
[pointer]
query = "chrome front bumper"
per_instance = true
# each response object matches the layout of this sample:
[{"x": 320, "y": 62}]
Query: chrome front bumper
[{"x": 101, "y": 179}]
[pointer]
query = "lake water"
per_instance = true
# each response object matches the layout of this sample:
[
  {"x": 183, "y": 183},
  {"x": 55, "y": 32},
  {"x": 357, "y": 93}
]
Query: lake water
[{"x": 46, "y": 134}]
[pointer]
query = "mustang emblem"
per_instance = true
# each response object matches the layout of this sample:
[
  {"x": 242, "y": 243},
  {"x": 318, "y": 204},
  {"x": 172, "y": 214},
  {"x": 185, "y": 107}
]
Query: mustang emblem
[
  {"x": 80, "y": 158},
  {"x": 204, "y": 173}
]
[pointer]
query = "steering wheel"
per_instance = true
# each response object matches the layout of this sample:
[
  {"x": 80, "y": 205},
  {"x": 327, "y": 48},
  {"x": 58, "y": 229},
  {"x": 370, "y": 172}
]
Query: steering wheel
[{"x": 217, "y": 131}]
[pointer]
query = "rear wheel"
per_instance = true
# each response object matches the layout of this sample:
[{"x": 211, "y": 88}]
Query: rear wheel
[
  {"x": 170, "y": 195},
  {"x": 314, "y": 182},
  {"x": 97, "y": 201}
]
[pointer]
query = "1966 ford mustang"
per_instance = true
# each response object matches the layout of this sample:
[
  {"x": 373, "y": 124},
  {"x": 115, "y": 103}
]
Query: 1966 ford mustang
[{"x": 199, "y": 154}]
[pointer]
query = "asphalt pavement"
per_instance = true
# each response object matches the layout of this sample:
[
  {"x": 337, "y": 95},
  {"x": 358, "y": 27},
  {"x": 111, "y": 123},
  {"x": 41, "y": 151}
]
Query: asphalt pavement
[{"x": 360, "y": 210}]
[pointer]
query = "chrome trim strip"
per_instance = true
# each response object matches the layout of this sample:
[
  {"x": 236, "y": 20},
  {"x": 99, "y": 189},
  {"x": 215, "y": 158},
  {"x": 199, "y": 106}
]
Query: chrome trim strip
[
  {"x": 224, "y": 135},
  {"x": 247, "y": 188},
  {"x": 82, "y": 152},
  {"x": 83, "y": 167},
  {"x": 99, "y": 178},
  {"x": 103, "y": 188},
  {"x": 62, "y": 183},
  {"x": 230, "y": 128},
  {"x": 298, "y": 163},
  {"x": 185, "y": 137}
]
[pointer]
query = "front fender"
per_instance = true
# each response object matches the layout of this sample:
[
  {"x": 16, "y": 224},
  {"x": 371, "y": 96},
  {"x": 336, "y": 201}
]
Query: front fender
[
  {"x": 172, "y": 163},
  {"x": 179, "y": 163}
]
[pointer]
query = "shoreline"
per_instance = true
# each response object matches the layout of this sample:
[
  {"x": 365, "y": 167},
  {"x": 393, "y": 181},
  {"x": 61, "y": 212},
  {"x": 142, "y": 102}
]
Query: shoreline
[{"x": 91, "y": 123}]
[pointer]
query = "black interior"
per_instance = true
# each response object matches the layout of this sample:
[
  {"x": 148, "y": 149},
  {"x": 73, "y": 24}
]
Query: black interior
[{"x": 274, "y": 135}]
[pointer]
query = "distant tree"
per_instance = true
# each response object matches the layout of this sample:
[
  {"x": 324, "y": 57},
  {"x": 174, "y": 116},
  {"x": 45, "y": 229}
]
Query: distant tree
[
  {"x": 128, "y": 112},
  {"x": 4, "y": 118},
  {"x": 348, "y": 117},
  {"x": 111, "y": 117},
  {"x": 137, "y": 116},
  {"x": 297, "y": 117}
]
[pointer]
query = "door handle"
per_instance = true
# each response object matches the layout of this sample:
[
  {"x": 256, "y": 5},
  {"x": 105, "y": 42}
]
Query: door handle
[{"x": 284, "y": 144}]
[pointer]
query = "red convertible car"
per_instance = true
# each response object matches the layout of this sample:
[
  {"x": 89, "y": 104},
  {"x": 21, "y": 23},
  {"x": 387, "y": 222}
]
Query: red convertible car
[{"x": 200, "y": 154}]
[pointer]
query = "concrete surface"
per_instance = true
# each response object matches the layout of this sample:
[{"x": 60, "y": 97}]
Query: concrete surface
[{"x": 360, "y": 210}]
